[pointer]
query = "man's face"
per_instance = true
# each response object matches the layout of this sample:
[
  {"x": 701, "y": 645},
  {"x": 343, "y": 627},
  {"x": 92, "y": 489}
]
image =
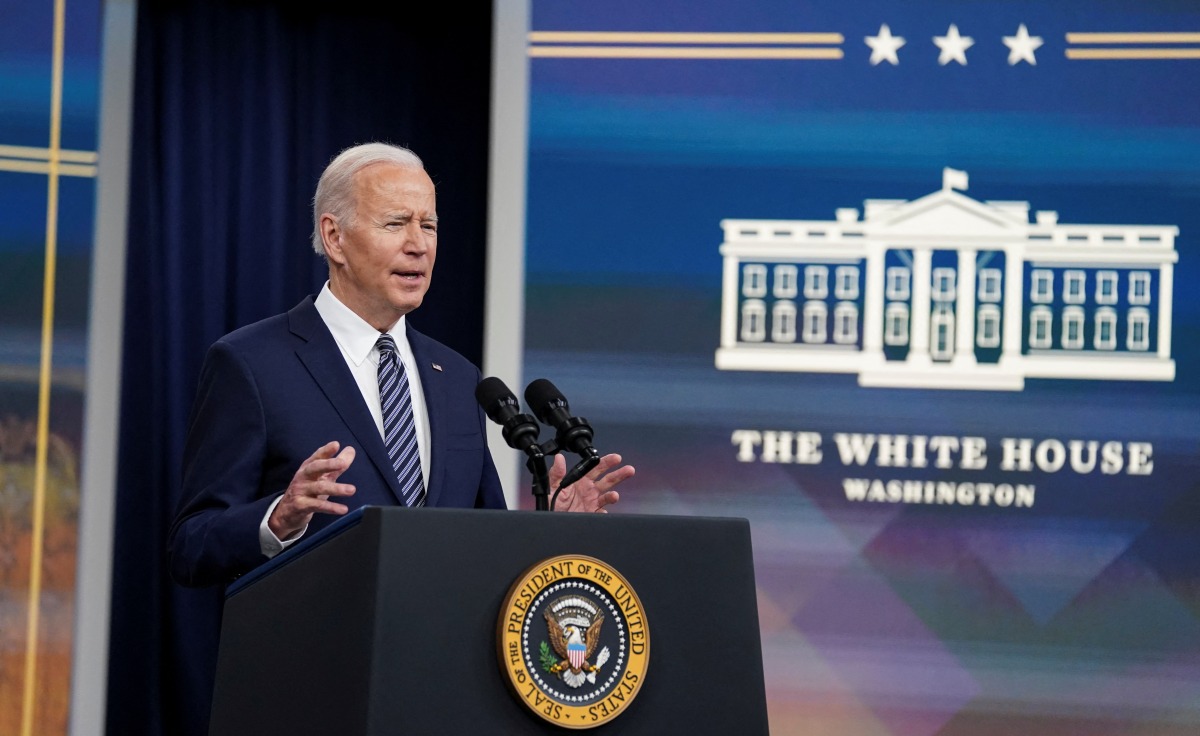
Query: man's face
[{"x": 381, "y": 261}]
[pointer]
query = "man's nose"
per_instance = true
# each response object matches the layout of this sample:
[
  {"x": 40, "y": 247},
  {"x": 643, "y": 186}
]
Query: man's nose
[{"x": 415, "y": 239}]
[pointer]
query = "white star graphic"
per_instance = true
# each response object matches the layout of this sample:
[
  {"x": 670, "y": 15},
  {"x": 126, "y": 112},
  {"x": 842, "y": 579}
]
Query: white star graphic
[
  {"x": 884, "y": 46},
  {"x": 1022, "y": 46},
  {"x": 954, "y": 47}
]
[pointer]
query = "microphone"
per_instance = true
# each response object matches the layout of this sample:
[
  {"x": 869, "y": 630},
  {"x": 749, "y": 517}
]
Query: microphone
[
  {"x": 498, "y": 402},
  {"x": 550, "y": 406}
]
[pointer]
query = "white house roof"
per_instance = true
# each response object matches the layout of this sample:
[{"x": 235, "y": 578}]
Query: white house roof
[{"x": 947, "y": 212}]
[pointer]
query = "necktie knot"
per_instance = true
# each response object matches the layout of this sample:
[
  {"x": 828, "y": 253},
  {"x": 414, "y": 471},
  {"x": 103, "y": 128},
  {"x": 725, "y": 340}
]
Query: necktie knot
[{"x": 385, "y": 344}]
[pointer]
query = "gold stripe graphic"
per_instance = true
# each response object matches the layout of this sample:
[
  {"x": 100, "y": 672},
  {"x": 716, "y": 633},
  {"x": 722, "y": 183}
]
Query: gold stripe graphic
[
  {"x": 683, "y": 45},
  {"x": 33, "y": 167},
  {"x": 658, "y": 37},
  {"x": 1154, "y": 45},
  {"x": 43, "y": 154},
  {"x": 37, "y": 541},
  {"x": 682, "y": 52},
  {"x": 1133, "y": 38},
  {"x": 1133, "y": 54},
  {"x": 31, "y": 160}
]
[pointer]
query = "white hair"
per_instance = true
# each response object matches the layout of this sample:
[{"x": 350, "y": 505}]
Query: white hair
[{"x": 335, "y": 190}]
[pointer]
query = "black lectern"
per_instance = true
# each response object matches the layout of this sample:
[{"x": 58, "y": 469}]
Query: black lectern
[{"x": 387, "y": 622}]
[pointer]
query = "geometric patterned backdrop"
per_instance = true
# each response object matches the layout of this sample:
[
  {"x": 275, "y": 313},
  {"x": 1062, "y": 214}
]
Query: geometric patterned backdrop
[{"x": 651, "y": 123}]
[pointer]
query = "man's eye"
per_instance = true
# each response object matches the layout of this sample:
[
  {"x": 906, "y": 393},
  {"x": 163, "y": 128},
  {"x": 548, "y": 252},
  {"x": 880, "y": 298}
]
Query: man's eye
[{"x": 430, "y": 226}]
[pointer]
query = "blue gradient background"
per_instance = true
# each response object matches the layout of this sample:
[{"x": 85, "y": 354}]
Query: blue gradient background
[
  {"x": 26, "y": 252},
  {"x": 1078, "y": 615}
]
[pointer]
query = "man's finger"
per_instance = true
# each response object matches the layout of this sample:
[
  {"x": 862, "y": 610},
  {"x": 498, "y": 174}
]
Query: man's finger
[
  {"x": 327, "y": 488},
  {"x": 329, "y": 449},
  {"x": 619, "y": 475},
  {"x": 558, "y": 469},
  {"x": 344, "y": 459},
  {"x": 334, "y": 466},
  {"x": 607, "y": 463}
]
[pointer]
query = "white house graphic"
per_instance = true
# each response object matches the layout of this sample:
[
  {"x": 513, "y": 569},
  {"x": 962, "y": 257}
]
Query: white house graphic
[{"x": 948, "y": 292}]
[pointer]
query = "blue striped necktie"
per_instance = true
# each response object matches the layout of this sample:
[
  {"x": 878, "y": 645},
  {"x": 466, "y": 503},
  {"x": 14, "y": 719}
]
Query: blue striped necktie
[{"x": 399, "y": 431}]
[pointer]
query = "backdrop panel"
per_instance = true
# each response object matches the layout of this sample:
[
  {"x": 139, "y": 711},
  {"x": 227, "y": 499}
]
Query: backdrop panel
[
  {"x": 49, "y": 112},
  {"x": 911, "y": 288}
]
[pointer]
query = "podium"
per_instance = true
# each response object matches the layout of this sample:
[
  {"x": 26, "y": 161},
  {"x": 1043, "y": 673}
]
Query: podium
[{"x": 387, "y": 622}]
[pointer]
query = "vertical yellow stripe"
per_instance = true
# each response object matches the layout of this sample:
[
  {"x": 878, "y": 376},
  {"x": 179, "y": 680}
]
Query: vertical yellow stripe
[{"x": 44, "y": 376}]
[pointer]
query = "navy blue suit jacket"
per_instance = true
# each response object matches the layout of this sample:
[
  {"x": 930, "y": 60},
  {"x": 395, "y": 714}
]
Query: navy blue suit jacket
[{"x": 273, "y": 392}]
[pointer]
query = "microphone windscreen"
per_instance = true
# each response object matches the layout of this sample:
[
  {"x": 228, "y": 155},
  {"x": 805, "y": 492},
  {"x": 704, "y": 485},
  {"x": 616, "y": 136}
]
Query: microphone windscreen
[
  {"x": 490, "y": 390},
  {"x": 541, "y": 392}
]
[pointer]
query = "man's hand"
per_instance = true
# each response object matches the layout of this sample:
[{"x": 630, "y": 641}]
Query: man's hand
[
  {"x": 310, "y": 489},
  {"x": 594, "y": 491}
]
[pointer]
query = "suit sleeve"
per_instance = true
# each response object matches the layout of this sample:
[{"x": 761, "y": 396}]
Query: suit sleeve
[
  {"x": 491, "y": 492},
  {"x": 214, "y": 537}
]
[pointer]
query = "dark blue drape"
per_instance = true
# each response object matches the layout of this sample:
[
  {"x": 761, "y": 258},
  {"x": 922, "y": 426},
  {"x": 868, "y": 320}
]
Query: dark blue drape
[{"x": 237, "y": 108}]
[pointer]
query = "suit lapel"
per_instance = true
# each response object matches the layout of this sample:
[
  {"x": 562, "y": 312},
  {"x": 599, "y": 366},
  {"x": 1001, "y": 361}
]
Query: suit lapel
[
  {"x": 435, "y": 397},
  {"x": 323, "y": 358}
]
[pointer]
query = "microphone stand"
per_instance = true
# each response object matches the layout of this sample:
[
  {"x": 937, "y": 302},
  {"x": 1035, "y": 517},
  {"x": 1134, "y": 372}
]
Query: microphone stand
[
  {"x": 538, "y": 454},
  {"x": 541, "y": 478}
]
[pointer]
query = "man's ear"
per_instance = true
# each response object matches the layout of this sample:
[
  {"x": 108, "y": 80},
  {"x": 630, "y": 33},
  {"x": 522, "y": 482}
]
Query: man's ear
[{"x": 331, "y": 236}]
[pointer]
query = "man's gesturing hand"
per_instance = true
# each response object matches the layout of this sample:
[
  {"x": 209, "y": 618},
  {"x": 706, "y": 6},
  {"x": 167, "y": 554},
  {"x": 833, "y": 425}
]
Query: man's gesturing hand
[
  {"x": 594, "y": 491},
  {"x": 310, "y": 489}
]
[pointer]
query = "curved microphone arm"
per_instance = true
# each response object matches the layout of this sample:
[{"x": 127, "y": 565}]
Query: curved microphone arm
[{"x": 583, "y": 467}]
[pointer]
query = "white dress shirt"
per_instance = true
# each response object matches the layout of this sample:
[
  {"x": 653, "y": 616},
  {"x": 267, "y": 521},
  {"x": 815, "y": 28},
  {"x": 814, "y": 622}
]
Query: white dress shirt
[{"x": 356, "y": 339}]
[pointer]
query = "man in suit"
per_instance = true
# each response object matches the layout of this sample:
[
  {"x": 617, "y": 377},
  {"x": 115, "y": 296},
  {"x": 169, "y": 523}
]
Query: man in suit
[{"x": 287, "y": 430}]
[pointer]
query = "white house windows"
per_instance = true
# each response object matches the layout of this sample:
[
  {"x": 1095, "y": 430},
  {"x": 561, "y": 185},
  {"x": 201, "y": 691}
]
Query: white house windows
[
  {"x": 845, "y": 323},
  {"x": 987, "y": 326},
  {"x": 1072, "y": 328},
  {"x": 1138, "y": 337},
  {"x": 754, "y": 280},
  {"x": 1106, "y": 329},
  {"x": 941, "y": 322},
  {"x": 1073, "y": 287},
  {"x": 989, "y": 285},
  {"x": 816, "y": 314},
  {"x": 1106, "y": 287},
  {"x": 1071, "y": 308},
  {"x": 783, "y": 322},
  {"x": 1139, "y": 288},
  {"x": 895, "y": 324},
  {"x": 1040, "y": 319},
  {"x": 943, "y": 284},
  {"x": 754, "y": 320},
  {"x": 897, "y": 284},
  {"x": 846, "y": 282},
  {"x": 785, "y": 283},
  {"x": 769, "y": 312},
  {"x": 1041, "y": 286},
  {"x": 816, "y": 282}
]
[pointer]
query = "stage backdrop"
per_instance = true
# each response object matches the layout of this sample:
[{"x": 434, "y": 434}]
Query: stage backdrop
[
  {"x": 49, "y": 113},
  {"x": 911, "y": 286}
]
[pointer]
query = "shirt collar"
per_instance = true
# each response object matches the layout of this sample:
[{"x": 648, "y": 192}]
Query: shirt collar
[{"x": 354, "y": 335}]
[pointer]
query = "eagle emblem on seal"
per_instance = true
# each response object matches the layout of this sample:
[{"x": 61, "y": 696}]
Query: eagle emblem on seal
[{"x": 574, "y": 627}]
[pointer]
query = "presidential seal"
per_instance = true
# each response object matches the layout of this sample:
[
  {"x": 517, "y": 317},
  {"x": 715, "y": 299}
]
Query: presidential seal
[{"x": 573, "y": 642}]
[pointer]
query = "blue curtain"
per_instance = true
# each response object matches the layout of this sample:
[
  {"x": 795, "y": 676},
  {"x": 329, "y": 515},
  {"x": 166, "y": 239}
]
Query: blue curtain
[{"x": 237, "y": 108}]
